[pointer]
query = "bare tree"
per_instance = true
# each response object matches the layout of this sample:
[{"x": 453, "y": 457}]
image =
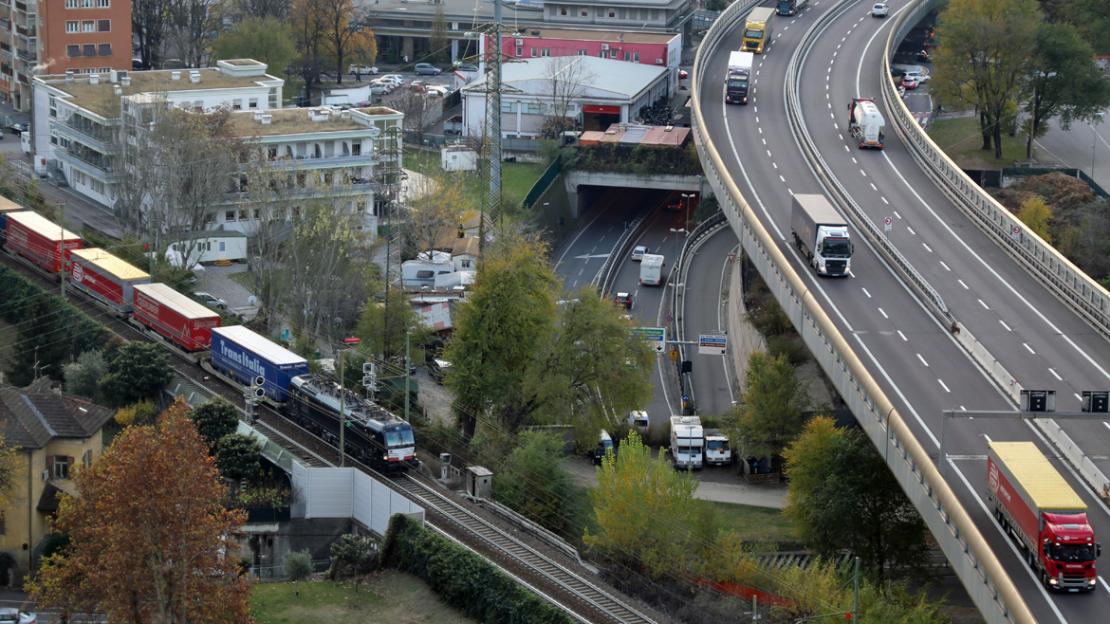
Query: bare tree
[
  {"x": 262, "y": 8},
  {"x": 148, "y": 22},
  {"x": 568, "y": 78},
  {"x": 193, "y": 25},
  {"x": 414, "y": 105},
  {"x": 435, "y": 212},
  {"x": 347, "y": 34},
  {"x": 310, "y": 29}
]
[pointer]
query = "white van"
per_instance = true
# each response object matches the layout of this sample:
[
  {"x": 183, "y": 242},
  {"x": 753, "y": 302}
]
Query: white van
[{"x": 651, "y": 270}]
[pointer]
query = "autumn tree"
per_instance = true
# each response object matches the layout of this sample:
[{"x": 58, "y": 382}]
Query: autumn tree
[
  {"x": 986, "y": 58},
  {"x": 310, "y": 33},
  {"x": 149, "y": 539},
  {"x": 438, "y": 42},
  {"x": 435, "y": 213},
  {"x": 837, "y": 474},
  {"x": 1037, "y": 216},
  {"x": 770, "y": 415},
  {"x": 348, "y": 36},
  {"x": 265, "y": 39},
  {"x": 1065, "y": 81},
  {"x": 136, "y": 371},
  {"x": 149, "y": 24},
  {"x": 500, "y": 325}
]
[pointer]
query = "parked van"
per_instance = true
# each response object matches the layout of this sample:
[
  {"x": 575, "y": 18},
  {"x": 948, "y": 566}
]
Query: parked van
[{"x": 604, "y": 445}]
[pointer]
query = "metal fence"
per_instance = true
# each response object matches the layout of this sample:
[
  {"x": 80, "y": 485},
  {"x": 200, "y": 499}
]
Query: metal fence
[{"x": 540, "y": 187}]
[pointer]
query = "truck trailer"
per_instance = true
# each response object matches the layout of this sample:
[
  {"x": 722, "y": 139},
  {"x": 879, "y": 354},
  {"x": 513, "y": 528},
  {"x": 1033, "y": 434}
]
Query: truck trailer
[
  {"x": 687, "y": 442},
  {"x": 651, "y": 270},
  {"x": 757, "y": 30},
  {"x": 791, "y": 7},
  {"x": 40, "y": 241},
  {"x": 821, "y": 234},
  {"x": 1046, "y": 517},
  {"x": 107, "y": 278},
  {"x": 245, "y": 356},
  {"x": 7, "y": 207},
  {"x": 866, "y": 123},
  {"x": 738, "y": 77},
  {"x": 174, "y": 316}
]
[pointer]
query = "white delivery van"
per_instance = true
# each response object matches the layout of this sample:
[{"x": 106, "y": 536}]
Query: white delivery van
[{"x": 651, "y": 270}]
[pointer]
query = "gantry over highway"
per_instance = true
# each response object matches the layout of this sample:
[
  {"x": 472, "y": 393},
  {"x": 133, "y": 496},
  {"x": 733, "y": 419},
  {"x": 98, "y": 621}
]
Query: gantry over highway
[{"x": 951, "y": 303}]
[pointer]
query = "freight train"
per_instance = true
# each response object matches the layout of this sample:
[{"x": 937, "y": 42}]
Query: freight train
[{"x": 235, "y": 354}]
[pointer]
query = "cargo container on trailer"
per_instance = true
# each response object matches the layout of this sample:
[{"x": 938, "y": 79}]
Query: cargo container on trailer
[
  {"x": 174, "y": 316},
  {"x": 38, "y": 239},
  {"x": 244, "y": 356},
  {"x": 106, "y": 277},
  {"x": 7, "y": 206}
]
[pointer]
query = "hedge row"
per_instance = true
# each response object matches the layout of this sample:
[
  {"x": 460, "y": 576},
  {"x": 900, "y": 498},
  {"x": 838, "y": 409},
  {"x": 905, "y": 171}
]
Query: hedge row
[
  {"x": 22, "y": 301},
  {"x": 463, "y": 579}
]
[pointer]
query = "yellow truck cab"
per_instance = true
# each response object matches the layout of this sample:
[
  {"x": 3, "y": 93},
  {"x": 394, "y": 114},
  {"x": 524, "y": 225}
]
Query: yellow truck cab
[{"x": 757, "y": 30}]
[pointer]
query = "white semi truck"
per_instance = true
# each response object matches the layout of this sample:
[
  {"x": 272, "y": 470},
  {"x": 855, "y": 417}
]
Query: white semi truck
[{"x": 821, "y": 234}]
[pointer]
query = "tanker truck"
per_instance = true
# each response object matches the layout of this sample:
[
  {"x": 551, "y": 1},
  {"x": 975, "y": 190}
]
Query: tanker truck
[
  {"x": 865, "y": 123},
  {"x": 1047, "y": 518}
]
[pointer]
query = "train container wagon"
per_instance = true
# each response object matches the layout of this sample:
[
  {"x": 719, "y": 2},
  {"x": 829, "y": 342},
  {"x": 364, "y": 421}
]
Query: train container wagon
[
  {"x": 40, "y": 241},
  {"x": 7, "y": 206},
  {"x": 245, "y": 356},
  {"x": 106, "y": 277},
  {"x": 174, "y": 316}
]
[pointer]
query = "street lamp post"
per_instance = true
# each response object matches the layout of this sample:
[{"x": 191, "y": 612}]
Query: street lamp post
[
  {"x": 676, "y": 232},
  {"x": 1094, "y": 137},
  {"x": 687, "y": 197}
]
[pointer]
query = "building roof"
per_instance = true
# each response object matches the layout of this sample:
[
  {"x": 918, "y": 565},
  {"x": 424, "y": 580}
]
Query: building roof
[
  {"x": 287, "y": 121},
  {"x": 632, "y": 135},
  {"x": 100, "y": 98},
  {"x": 622, "y": 78},
  {"x": 468, "y": 246},
  {"x": 105, "y": 261},
  {"x": 1035, "y": 474},
  {"x": 609, "y": 36},
  {"x": 35, "y": 415}
]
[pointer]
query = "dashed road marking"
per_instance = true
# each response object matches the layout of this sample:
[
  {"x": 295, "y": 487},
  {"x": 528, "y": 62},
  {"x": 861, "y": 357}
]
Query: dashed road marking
[
  {"x": 866, "y": 292},
  {"x": 944, "y": 386},
  {"x": 984, "y": 304},
  {"x": 883, "y": 312},
  {"x": 946, "y": 267},
  {"x": 1028, "y": 348},
  {"x": 963, "y": 284},
  {"x": 1003, "y": 323},
  {"x": 902, "y": 336},
  {"x": 922, "y": 360},
  {"x": 1055, "y": 374},
  {"x": 927, "y": 247}
]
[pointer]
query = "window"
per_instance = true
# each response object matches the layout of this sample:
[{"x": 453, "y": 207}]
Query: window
[
  {"x": 71, "y": 26},
  {"x": 72, "y": 4},
  {"x": 533, "y": 53},
  {"x": 636, "y": 57},
  {"x": 562, "y": 10},
  {"x": 584, "y": 13},
  {"x": 209, "y": 218},
  {"x": 104, "y": 25},
  {"x": 519, "y": 50},
  {"x": 257, "y": 215},
  {"x": 53, "y": 107},
  {"x": 89, "y": 49},
  {"x": 87, "y": 458},
  {"x": 236, "y": 105},
  {"x": 545, "y": 52},
  {"x": 243, "y": 214},
  {"x": 534, "y": 108},
  {"x": 301, "y": 179},
  {"x": 229, "y": 215},
  {"x": 105, "y": 49},
  {"x": 356, "y": 149},
  {"x": 583, "y": 52},
  {"x": 252, "y": 102},
  {"x": 271, "y": 152},
  {"x": 96, "y": 185},
  {"x": 627, "y": 55},
  {"x": 88, "y": 26},
  {"x": 60, "y": 468},
  {"x": 103, "y": 4},
  {"x": 73, "y": 51},
  {"x": 612, "y": 13}
]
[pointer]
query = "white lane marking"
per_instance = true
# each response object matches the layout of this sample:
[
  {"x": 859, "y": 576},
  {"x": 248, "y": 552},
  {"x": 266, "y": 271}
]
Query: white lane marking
[
  {"x": 897, "y": 214},
  {"x": 902, "y": 336},
  {"x": 1003, "y": 323},
  {"x": 768, "y": 153},
  {"x": 720, "y": 323},
  {"x": 922, "y": 360},
  {"x": 789, "y": 192},
  {"x": 942, "y": 385},
  {"x": 865, "y": 291},
  {"x": 946, "y": 267},
  {"x": 841, "y": 136},
  {"x": 782, "y": 179},
  {"x": 1104, "y": 585},
  {"x": 757, "y": 119},
  {"x": 927, "y": 247},
  {"x": 837, "y": 127},
  {"x": 963, "y": 284},
  {"x": 983, "y": 303},
  {"x": 1055, "y": 374},
  {"x": 847, "y": 150},
  {"x": 760, "y": 129},
  {"x": 575, "y": 239},
  {"x": 911, "y": 231},
  {"x": 1009, "y": 542},
  {"x": 873, "y": 187},
  {"x": 1028, "y": 348},
  {"x": 776, "y": 166},
  {"x": 755, "y": 109},
  {"x": 863, "y": 173},
  {"x": 854, "y": 161},
  {"x": 883, "y": 312},
  {"x": 764, "y": 141},
  {"x": 884, "y": 200}
]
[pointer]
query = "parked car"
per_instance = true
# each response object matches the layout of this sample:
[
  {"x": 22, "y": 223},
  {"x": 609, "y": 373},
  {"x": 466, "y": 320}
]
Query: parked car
[
  {"x": 362, "y": 70},
  {"x": 438, "y": 368},
  {"x": 624, "y": 300},
  {"x": 10, "y": 615},
  {"x": 17, "y": 128},
  {"x": 683, "y": 74},
  {"x": 909, "y": 82},
  {"x": 210, "y": 300},
  {"x": 918, "y": 75},
  {"x": 880, "y": 9},
  {"x": 436, "y": 90},
  {"x": 396, "y": 79},
  {"x": 467, "y": 67},
  {"x": 638, "y": 253},
  {"x": 427, "y": 69}
]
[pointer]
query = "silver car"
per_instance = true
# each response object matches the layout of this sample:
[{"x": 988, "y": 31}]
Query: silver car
[
  {"x": 880, "y": 9},
  {"x": 9, "y": 615}
]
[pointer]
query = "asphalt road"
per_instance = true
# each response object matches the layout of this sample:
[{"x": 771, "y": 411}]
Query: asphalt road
[
  {"x": 1080, "y": 146},
  {"x": 705, "y": 313},
  {"x": 916, "y": 361}
]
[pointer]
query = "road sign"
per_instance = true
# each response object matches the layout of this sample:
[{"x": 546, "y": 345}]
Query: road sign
[
  {"x": 712, "y": 344},
  {"x": 656, "y": 336},
  {"x": 1015, "y": 231},
  {"x": 888, "y": 224}
]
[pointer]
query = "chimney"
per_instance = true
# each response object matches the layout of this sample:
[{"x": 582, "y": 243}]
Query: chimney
[
  {"x": 117, "y": 90},
  {"x": 94, "y": 79},
  {"x": 265, "y": 119},
  {"x": 113, "y": 76},
  {"x": 69, "y": 76},
  {"x": 175, "y": 75},
  {"x": 194, "y": 76},
  {"x": 125, "y": 81}
]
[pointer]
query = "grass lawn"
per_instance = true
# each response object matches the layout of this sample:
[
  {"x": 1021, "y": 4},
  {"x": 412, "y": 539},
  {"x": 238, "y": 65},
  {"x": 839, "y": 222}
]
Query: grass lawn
[
  {"x": 516, "y": 178},
  {"x": 961, "y": 140},
  {"x": 757, "y": 524},
  {"x": 386, "y": 596}
]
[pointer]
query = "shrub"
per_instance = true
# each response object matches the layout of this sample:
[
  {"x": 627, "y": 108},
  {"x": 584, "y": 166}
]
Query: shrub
[
  {"x": 790, "y": 346},
  {"x": 352, "y": 555},
  {"x": 214, "y": 420},
  {"x": 82, "y": 376},
  {"x": 298, "y": 565},
  {"x": 141, "y": 413}
]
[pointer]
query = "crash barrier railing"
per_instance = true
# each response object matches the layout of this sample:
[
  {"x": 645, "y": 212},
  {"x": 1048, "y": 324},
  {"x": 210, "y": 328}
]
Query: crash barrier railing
[
  {"x": 694, "y": 240},
  {"x": 609, "y": 269},
  {"x": 1074, "y": 287},
  {"x": 972, "y": 559}
]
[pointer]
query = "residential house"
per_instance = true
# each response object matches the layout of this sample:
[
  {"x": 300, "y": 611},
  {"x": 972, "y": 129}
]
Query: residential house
[{"x": 53, "y": 434}]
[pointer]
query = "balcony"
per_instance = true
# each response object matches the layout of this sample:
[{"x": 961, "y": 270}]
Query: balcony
[
  {"x": 307, "y": 163},
  {"x": 26, "y": 31},
  {"x": 92, "y": 164},
  {"x": 96, "y": 138},
  {"x": 357, "y": 186},
  {"x": 30, "y": 56}
]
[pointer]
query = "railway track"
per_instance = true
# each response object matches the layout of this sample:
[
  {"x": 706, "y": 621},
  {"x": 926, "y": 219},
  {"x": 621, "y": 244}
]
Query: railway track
[
  {"x": 581, "y": 598},
  {"x": 583, "y": 593}
]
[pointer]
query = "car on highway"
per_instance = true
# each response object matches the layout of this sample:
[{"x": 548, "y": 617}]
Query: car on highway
[
  {"x": 909, "y": 82},
  {"x": 427, "y": 69},
  {"x": 624, "y": 300},
  {"x": 880, "y": 9},
  {"x": 210, "y": 300},
  {"x": 638, "y": 253}
]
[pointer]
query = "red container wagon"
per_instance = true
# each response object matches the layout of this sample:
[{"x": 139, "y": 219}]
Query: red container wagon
[
  {"x": 7, "y": 207},
  {"x": 106, "y": 277},
  {"x": 174, "y": 316},
  {"x": 39, "y": 240}
]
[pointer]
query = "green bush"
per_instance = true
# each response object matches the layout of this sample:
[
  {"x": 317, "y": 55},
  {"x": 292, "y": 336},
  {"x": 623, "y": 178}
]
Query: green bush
[
  {"x": 789, "y": 345},
  {"x": 352, "y": 555},
  {"x": 298, "y": 565},
  {"x": 463, "y": 579}
]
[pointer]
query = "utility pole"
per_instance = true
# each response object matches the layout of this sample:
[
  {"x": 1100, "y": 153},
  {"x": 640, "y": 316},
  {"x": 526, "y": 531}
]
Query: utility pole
[
  {"x": 408, "y": 368},
  {"x": 342, "y": 414},
  {"x": 62, "y": 247},
  {"x": 855, "y": 592},
  {"x": 493, "y": 124}
]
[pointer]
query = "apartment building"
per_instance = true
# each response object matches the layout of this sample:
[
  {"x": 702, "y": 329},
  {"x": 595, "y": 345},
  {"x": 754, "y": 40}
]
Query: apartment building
[
  {"x": 53, "y": 36},
  {"x": 84, "y": 123}
]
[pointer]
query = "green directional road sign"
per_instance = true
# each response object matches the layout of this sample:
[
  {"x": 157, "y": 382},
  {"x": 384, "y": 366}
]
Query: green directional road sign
[{"x": 655, "y": 336}]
